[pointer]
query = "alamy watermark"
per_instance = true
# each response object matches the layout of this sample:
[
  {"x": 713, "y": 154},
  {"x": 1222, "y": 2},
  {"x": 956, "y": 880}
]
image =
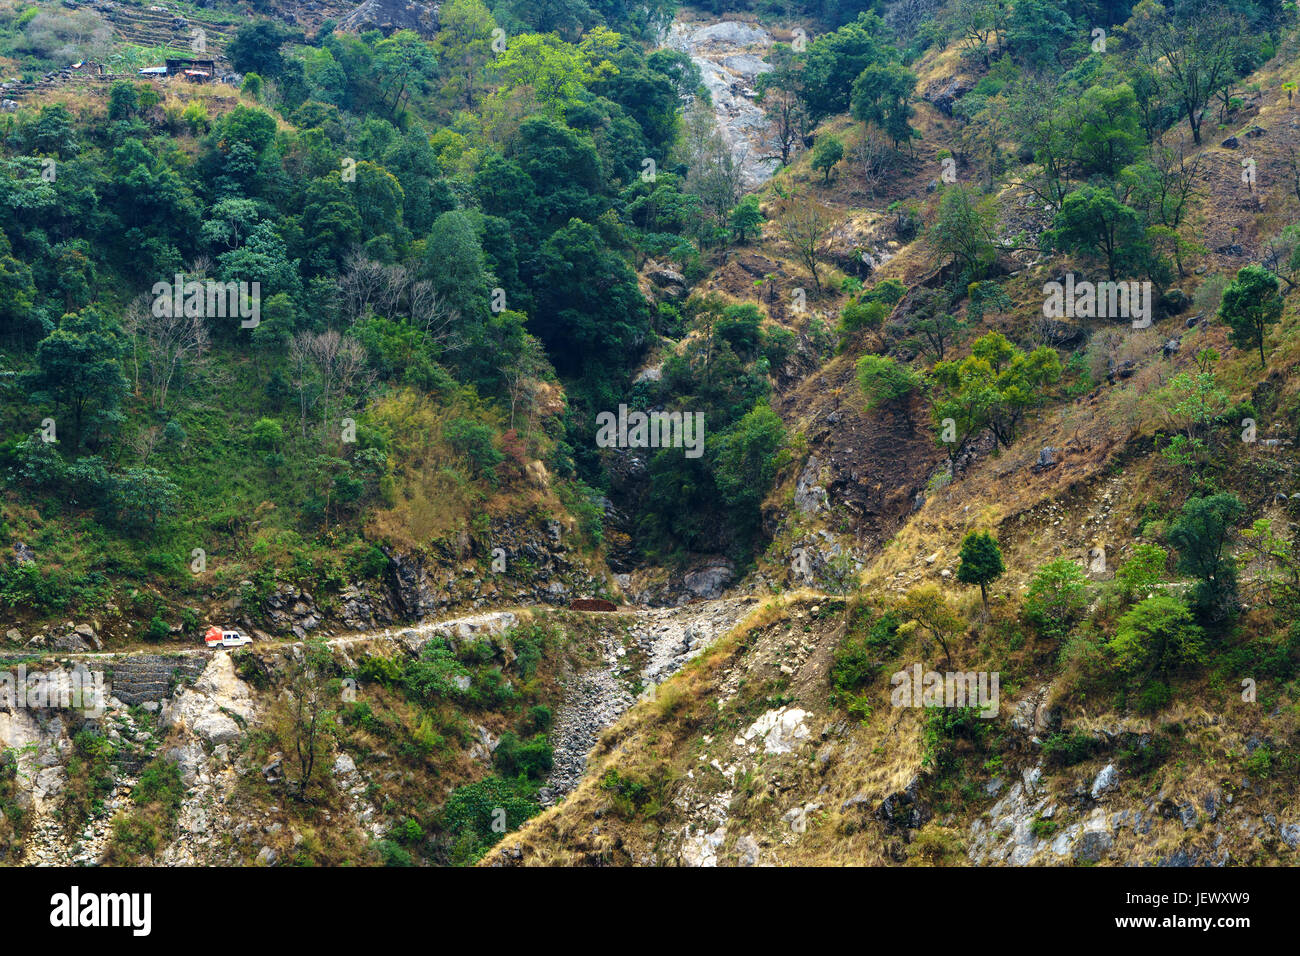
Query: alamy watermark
[
  {"x": 76, "y": 689},
  {"x": 922, "y": 688},
  {"x": 209, "y": 299},
  {"x": 651, "y": 430},
  {"x": 1098, "y": 300}
]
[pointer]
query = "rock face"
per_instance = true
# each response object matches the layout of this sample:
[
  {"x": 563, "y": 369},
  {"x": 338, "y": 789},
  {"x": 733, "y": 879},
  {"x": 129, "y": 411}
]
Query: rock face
[
  {"x": 707, "y": 580},
  {"x": 730, "y": 57},
  {"x": 665, "y": 639},
  {"x": 531, "y": 562},
  {"x": 1106, "y": 781},
  {"x": 781, "y": 731},
  {"x": 903, "y": 809},
  {"x": 944, "y": 94},
  {"x": 391, "y": 15},
  {"x": 208, "y": 708}
]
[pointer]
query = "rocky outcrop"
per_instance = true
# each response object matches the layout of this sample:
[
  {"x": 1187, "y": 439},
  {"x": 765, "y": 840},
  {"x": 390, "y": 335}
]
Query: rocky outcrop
[
  {"x": 730, "y": 56},
  {"x": 528, "y": 561},
  {"x": 391, "y": 15},
  {"x": 943, "y": 94},
  {"x": 663, "y": 640}
]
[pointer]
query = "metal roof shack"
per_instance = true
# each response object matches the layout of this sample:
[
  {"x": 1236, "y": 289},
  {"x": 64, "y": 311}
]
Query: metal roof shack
[{"x": 196, "y": 70}]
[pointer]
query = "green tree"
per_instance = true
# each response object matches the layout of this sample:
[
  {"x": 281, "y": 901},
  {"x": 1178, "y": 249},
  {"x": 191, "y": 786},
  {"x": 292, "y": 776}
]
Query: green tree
[
  {"x": 746, "y": 217},
  {"x": 403, "y": 62},
  {"x": 554, "y": 72},
  {"x": 780, "y": 92},
  {"x": 1092, "y": 221},
  {"x": 826, "y": 154},
  {"x": 881, "y": 96},
  {"x": 464, "y": 47},
  {"x": 78, "y": 370},
  {"x": 1197, "y": 46},
  {"x": 1105, "y": 120},
  {"x": 746, "y": 459},
  {"x": 835, "y": 59},
  {"x": 961, "y": 233},
  {"x": 1202, "y": 534},
  {"x": 981, "y": 562},
  {"x": 142, "y": 496},
  {"x": 927, "y": 608},
  {"x": 1251, "y": 303},
  {"x": 1058, "y": 596},
  {"x": 255, "y": 48},
  {"x": 993, "y": 388},
  {"x": 1156, "y": 637},
  {"x": 589, "y": 308},
  {"x": 1142, "y": 571}
]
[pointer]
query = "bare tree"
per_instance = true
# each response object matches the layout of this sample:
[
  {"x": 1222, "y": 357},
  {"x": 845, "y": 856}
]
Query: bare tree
[
  {"x": 174, "y": 343},
  {"x": 369, "y": 286},
  {"x": 1293, "y": 164},
  {"x": 303, "y": 719},
  {"x": 780, "y": 93},
  {"x": 165, "y": 346},
  {"x": 1176, "y": 177},
  {"x": 146, "y": 442},
  {"x": 1197, "y": 48},
  {"x": 870, "y": 155},
  {"x": 300, "y": 375},
  {"x": 805, "y": 224},
  {"x": 133, "y": 324},
  {"x": 523, "y": 374},
  {"x": 714, "y": 172},
  {"x": 339, "y": 362},
  {"x": 430, "y": 312}
]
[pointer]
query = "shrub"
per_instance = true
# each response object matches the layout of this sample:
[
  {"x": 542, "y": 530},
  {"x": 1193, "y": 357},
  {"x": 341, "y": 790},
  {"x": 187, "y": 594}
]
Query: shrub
[
  {"x": 477, "y": 815},
  {"x": 432, "y": 676},
  {"x": 390, "y": 854},
  {"x": 944, "y": 726},
  {"x": 539, "y": 719},
  {"x": 1154, "y": 697},
  {"x": 134, "y": 836},
  {"x": 267, "y": 434},
  {"x": 160, "y": 783},
  {"x": 1058, "y": 596},
  {"x": 367, "y": 562},
  {"x": 637, "y": 794},
  {"x": 1142, "y": 571},
  {"x": 157, "y": 630},
  {"x": 380, "y": 670},
  {"x": 1067, "y": 748},
  {"x": 1202, "y": 533},
  {"x": 861, "y": 657},
  {"x": 884, "y": 380},
  {"x": 1043, "y": 828},
  {"x": 474, "y": 442},
  {"x": 1157, "y": 637},
  {"x": 530, "y": 758},
  {"x": 858, "y": 315}
]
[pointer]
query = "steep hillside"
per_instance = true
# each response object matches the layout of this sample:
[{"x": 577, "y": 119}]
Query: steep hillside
[
  {"x": 784, "y": 745},
  {"x": 618, "y": 412}
]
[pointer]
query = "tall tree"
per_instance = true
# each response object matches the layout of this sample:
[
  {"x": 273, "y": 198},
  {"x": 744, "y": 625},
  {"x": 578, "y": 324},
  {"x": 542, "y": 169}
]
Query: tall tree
[
  {"x": 464, "y": 47},
  {"x": 981, "y": 563},
  {"x": 1251, "y": 304},
  {"x": 78, "y": 370}
]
